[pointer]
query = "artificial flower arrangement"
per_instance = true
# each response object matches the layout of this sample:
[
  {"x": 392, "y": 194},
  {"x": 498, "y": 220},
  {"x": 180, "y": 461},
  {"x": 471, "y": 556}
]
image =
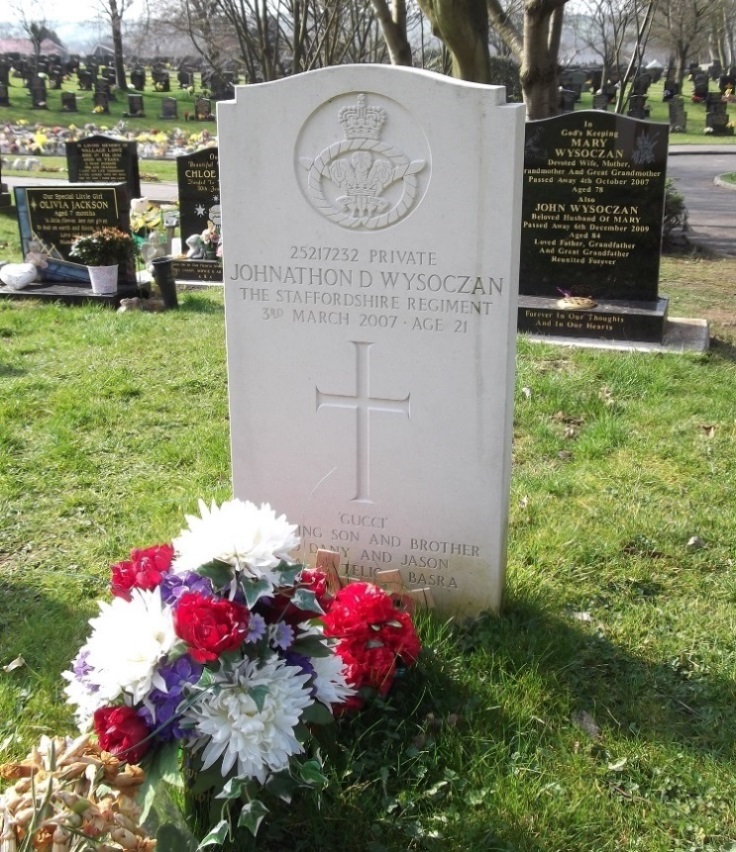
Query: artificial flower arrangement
[
  {"x": 103, "y": 247},
  {"x": 219, "y": 648}
]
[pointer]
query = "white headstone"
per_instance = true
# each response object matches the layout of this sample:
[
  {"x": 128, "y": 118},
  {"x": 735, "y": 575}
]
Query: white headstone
[{"x": 371, "y": 223}]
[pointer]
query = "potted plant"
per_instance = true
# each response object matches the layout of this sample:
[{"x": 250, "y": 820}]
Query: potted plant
[{"x": 102, "y": 252}]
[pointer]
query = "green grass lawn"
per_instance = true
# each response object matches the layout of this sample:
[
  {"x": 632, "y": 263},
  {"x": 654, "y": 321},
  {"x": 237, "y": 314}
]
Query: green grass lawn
[
  {"x": 596, "y": 713},
  {"x": 21, "y": 107}
]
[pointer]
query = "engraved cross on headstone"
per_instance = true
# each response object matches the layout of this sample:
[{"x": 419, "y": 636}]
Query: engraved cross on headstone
[{"x": 363, "y": 404}]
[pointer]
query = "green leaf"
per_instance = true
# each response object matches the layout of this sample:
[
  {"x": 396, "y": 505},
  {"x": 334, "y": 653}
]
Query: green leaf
[
  {"x": 311, "y": 773},
  {"x": 312, "y": 646},
  {"x": 251, "y": 816},
  {"x": 220, "y": 573},
  {"x": 233, "y": 788},
  {"x": 307, "y": 600},
  {"x": 317, "y": 714},
  {"x": 258, "y": 694},
  {"x": 218, "y": 835},
  {"x": 289, "y": 573},
  {"x": 255, "y": 590},
  {"x": 282, "y": 785}
]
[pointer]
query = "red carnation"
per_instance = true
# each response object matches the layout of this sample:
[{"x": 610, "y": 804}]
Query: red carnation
[
  {"x": 210, "y": 626},
  {"x": 122, "y": 732},
  {"x": 144, "y": 570},
  {"x": 373, "y": 634}
]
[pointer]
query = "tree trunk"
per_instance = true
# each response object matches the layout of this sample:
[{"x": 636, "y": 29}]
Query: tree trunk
[
  {"x": 539, "y": 71},
  {"x": 116, "y": 21},
  {"x": 463, "y": 27},
  {"x": 393, "y": 28}
]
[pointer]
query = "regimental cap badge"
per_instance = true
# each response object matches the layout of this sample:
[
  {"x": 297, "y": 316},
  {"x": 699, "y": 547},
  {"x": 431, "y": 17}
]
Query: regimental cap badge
[
  {"x": 361, "y": 182},
  {"x": 361, "y": 121}
]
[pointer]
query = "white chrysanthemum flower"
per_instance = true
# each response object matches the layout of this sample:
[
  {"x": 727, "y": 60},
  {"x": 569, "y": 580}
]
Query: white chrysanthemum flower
[
  {"x": 239, "y": 533},
  {"x": 84, "y": 700},
  {"x": 330, "y": 681},
  {"x": 233, "y": 729},
  {"x": 128, "y": 639}
]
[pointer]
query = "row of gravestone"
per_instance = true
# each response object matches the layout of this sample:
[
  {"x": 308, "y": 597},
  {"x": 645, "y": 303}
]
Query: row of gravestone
[
  {"x": 592, "y": 217},
  {"x": 101, "y": 160},
  {"x": 201, "y": 111}
]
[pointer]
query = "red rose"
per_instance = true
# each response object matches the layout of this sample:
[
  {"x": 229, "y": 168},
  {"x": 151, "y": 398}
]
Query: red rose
[
  {"x": 122, "y": 732},
  {"x": 144, "y": 570},
  {"x": 210, "y": 626}
]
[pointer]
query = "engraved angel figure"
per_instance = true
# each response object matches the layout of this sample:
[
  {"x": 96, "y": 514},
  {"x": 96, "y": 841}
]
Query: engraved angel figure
[{"x": 363, "y": 179}]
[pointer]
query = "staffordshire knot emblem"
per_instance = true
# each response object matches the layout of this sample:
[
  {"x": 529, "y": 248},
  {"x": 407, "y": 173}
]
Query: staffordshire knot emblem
[{"x": 361, "y": 182}]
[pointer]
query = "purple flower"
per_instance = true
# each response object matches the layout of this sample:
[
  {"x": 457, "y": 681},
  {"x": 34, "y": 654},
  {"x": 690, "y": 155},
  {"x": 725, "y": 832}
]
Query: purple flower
[
  {"x": 300, "y": 661},
  {"x": 161, "y": 706},
  {"x": 82, "y": 669},
  {"x": 256, "y": 628},
  {"x": 173, "y": 586},
  {"x": 281, "y": 635}
]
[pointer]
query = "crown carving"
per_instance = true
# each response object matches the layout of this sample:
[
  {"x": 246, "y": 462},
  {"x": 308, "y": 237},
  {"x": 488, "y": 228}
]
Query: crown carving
[{"x": 361, "y": 121}]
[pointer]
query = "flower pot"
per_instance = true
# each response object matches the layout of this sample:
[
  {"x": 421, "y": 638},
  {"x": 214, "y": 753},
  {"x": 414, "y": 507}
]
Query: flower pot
[{"x": 104, "y": 279}]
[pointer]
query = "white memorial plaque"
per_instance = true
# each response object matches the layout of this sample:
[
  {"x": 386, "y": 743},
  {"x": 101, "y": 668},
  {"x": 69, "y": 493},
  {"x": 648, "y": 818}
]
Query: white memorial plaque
[{"x": 371, "y": 223}]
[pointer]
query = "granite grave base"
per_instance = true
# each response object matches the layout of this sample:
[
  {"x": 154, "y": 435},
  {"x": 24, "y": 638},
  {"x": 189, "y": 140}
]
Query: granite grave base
[
  {"x": 610, "y": 319},
  {"x": 73, "y": 293}
]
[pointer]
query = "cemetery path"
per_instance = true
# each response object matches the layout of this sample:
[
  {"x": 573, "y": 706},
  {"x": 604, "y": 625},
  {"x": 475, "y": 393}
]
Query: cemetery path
[
  {"x": 711, "y": 208},
  {"x": 166, "y": 192}
]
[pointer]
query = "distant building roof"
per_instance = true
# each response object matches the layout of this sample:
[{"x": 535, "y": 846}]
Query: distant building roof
[{"x": 25, "y": 45}]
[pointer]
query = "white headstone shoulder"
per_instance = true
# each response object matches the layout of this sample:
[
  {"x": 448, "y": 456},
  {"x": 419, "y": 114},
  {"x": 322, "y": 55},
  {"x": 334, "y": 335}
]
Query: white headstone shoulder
[{"x": 371, "y": 223}]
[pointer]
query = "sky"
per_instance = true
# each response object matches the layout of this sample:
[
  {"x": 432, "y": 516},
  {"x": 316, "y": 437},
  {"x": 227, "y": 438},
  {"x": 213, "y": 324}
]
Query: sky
[{"x": 60, "y": 12}]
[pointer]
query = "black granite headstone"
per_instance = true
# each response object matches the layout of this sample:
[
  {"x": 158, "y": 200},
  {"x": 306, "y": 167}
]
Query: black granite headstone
[
  {"x": 101, "y": 159},
  {"x": 203, "y": 109},
  {"x": 38, "y": 93},
  {"x": 68, "y": 102},
  {"x": 138, "y": 78},
  {"x": 678, "y": 116},
  {"x": 716, "y": 117},
  {"x": 567, "y": 100},
  {"x": 100, "y": 103},
  {"x": 4, "y": 95},
  {"x": 161, "y": 80},
  {"x": 84, "y": 80},
  {"x": 592, "y": 214},
  {"x": 198, "y": 177},
  {"x": 700, "y": 85},
  {"x": 55, "y": 216},
  {"x": 135, "y": 106},
  {"x": 169, "y": 108},
  {"x": 638, "y": 107}
]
